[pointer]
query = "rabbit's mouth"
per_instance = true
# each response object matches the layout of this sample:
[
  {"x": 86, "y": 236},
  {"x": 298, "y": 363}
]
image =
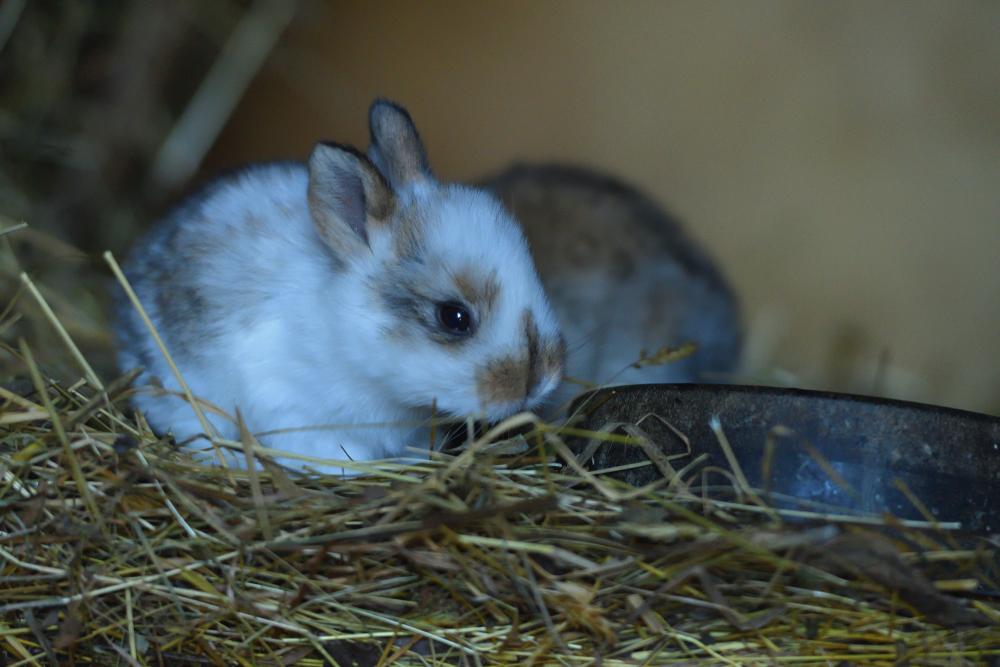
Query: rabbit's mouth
[{"x": 456, "y": 435}]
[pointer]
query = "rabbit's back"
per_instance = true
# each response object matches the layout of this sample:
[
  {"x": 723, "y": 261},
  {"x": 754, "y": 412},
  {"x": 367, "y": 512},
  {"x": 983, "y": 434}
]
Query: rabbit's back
[
  {"x": 210, "y": 275},
  {"x": 622, "y": 275},
  {"x": 221, "y": 253}
]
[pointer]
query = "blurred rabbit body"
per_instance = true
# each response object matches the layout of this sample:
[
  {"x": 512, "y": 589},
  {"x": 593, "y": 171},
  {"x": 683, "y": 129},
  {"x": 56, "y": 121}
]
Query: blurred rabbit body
[{"x": 622, "y": 276}]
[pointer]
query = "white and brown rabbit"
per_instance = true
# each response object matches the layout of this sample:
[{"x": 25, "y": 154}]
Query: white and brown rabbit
[
  {"x": 340, "y": 302},
  {"x": 622, "y": 277}
]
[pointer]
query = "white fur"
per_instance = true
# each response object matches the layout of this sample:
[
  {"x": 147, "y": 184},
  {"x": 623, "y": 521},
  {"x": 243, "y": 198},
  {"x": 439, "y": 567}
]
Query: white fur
[{"x": 297, "y": 344}]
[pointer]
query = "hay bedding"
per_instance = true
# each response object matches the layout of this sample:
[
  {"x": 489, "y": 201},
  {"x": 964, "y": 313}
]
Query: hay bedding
[{"x": 118, "y": 548}]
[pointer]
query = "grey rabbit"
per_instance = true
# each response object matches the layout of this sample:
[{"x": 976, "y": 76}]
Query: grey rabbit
[{"x": 622, "y": 276}]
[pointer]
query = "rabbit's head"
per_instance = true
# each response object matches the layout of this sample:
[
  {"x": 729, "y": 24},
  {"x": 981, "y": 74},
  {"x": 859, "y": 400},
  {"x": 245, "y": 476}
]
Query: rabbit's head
[{"x": 439, "y": 291}]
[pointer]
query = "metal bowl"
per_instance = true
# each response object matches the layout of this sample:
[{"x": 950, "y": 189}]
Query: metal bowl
[{"x": 827, "y": 451}]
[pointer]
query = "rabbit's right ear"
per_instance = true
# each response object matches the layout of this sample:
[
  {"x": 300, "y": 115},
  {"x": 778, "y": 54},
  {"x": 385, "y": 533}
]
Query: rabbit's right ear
[
  {"x": 396, "y": 146},
  {"x": 346, "y": 195}
]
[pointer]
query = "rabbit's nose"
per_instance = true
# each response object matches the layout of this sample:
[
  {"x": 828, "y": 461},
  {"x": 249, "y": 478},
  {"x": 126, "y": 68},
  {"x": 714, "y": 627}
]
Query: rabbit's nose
[{"x": 526, "y": 375}]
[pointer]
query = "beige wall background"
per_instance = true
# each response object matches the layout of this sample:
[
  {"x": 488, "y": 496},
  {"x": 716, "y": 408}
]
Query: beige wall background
[{"x": 840, "y": 160}]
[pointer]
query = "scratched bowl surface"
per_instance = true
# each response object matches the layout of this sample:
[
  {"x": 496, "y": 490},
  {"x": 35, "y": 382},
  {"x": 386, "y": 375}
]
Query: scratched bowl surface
[{"x": 829, "y": 452}]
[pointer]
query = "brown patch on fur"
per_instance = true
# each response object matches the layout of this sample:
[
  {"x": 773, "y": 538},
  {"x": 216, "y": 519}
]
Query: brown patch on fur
[
  {"x": 379, "y": 202},
  {"x": 408, "y": 235},
  {"x": 477, "y": 291},
  {"x": 512, "y": 378},
  {"x": 503, "y": 380}
]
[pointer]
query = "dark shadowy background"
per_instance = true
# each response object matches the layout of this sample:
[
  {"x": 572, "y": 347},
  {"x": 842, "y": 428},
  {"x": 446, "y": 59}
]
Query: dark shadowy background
[{"x": 840, "y": 160}]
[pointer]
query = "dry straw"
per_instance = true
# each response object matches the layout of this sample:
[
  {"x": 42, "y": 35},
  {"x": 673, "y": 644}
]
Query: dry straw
[{"x": 118, "y": 548}]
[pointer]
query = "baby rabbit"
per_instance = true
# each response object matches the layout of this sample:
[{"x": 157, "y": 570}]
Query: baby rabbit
[
  {"x": 354, "y": 293},
  {"x": 622, "y": 277}
]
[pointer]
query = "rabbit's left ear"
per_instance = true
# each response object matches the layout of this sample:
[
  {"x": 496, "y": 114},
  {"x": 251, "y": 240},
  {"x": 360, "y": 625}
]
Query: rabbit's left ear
[
  {"x": 396, "y": 147},
  {"x": 347, "y": 194}
]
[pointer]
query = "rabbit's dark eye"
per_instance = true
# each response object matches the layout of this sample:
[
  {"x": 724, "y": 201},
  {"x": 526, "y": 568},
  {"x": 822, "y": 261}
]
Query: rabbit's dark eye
[{"x": 454, "y": 317}]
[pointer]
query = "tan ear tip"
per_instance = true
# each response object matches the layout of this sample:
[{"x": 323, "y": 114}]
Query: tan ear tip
[
  {"x": 318, "y": 153},
  {"x": 321, "y": 152},
  {"x": 326, "y": 153},
  {"x": 382, "y": 105}
]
